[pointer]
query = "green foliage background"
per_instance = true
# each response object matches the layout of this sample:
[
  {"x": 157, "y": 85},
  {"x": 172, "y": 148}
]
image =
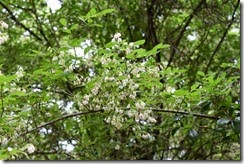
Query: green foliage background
[{"x": 168, "y": 88}]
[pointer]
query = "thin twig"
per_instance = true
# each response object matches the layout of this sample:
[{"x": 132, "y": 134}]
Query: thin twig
[
  {"x": 59, "y": 119},
  {"x": 1, "y": 92},
  {"x": 187, "y": 113},
  {"x": 18, "y": 22},
  {"x": 183, "y": 31},
  {"x": 39, "y": 23},
  {"x": 222, "y": 38}
]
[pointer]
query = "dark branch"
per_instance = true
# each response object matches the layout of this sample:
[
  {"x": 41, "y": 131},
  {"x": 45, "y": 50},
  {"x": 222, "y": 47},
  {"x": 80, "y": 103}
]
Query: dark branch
[
  {"x": 187, "y": 113},
  {"x": 1, "y": 92},
  {"x": 39, "y": 24},
  {"x": 18, "y": 22},
  {"x": 59, "y": 119},
  {"x": 183, "y": 31},
  {"x": 222, "y": 38}
]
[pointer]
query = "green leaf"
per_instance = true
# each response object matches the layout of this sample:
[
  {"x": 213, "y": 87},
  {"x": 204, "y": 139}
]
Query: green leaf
[
  {"x": 89, "y": 21},
  {"x": 66, "y": 31},
  {"x": 6, "y": 79},
  {"x": 38, "y": 71},
  {"x": 139, "y": 42},
  {"x": 194, "y": 86},
  {"x": 238, "y": 63},
  {"x": 131, "y": 55},
  {"x": 161, "y": 46},
  {"x": 95, "y": 25},
  {"x": 158, "y": 46},
  {"x": 226, "y": 65},
  {"x": 63, "y": 21},
  {"x": 93, "y": 11},
  {"x": 76, "y": 42},
  {"x": 18, "y": 93},
  {"x": 140, "y": 53},
  {"x": 200, "y": 73},
  {"x": 90, "y": 13},
  {"x": 181, "y": 92},
  {"x": 110, "y": 44},
  {"x": 104, "y": 12},
  {"x": 74, "y": 27}
]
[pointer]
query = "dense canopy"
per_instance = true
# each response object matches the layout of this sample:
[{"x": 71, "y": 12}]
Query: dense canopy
[{"x": 119, "y": 80}]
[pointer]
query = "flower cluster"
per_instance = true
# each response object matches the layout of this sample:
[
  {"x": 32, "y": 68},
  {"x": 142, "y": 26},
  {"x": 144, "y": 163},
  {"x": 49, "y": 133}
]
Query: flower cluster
[
  {"x": 118, "y": 87},
  {"x": 30, "y": 148},
  {"x": 3, "y": 24},
  {"x": 3, "y": 36},
  {"x": 116, "y": 120},
  {"x": 20, "y": 72},
  {"x": 117, "y": 37}
]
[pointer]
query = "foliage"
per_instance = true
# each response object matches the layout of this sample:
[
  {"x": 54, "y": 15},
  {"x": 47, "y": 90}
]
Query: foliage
[{"x": 94, "y": 81}]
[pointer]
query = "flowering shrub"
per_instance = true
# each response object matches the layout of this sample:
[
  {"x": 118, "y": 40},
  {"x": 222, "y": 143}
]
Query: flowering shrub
[{"x": 114, "y": 101}]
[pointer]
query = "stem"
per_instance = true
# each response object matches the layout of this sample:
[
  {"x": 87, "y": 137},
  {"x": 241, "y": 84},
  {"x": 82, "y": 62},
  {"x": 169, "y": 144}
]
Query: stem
[
  {"x": 1, "y": 94},
  {"x": 59, "y": 119},
  {"x": 188, "y": 113},
  {"x": 222, "y": 38}
]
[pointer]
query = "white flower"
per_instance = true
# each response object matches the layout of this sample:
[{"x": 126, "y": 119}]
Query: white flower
[
  {"x": 117, "y": 147},
  {"x": 129, "y": 113},
  {"x": 145, "y": 136},
  {"x": 48, "y": 114},
  {"x": 4, "y": 141},
  {"x": 3, "y": 38},
  {"x": 95, "y": 90},
  {"x": 136, "y": 86},
  {"x": 9, "y": 149},
  {"x": 143, "y": 116},
  {"x": 55, "y": 58},
  {"x": 20, "y": 72},
  {"x": 131, "y": 44},
  {"x": 118, "y": 125},
  {"x": 132, "y": 95},
  {"x": 170, "y": 89},
  {"x": 86, "y": 97},
  {"x": 124, "y": 82},
  {"x": 107, "y": 120},
  {"x": 30, "y": 148},
  {"x": 140, "y": 105},
  {"x": 3, "y": 24},
  {"x": 152, "y": 120},
  {"x": 117, "y": 35},
  {"x": 85, "y": 102},
  {"x": 127, "y": 50},
  {"x": 122, "y": 96},
  {"x": 97, "y": 107},
  {"x": 106, "y": 78}
]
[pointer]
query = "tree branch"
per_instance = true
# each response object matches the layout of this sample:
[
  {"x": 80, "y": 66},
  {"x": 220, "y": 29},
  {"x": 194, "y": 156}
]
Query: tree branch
[
  {"x": 187, "y": 113},
  {"x": 18, "y": 22},
  {"x": 222, "y": 38},
  {"x": 39, "y": 24},
  {"x": 183, "y": 31},
  {"x": 1, "y": 92},
  {"x": 59, "y": 119}
]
